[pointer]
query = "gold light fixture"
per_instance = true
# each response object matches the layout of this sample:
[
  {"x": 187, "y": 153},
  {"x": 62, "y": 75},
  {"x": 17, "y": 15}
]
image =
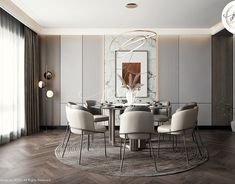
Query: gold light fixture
[{"x": 131, "y": 5}]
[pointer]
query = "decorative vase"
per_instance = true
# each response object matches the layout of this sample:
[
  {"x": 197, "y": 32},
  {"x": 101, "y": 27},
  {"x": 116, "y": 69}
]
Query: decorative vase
[
  {"x": 233, "y": 125},
  {"x": 130, "y": 96}
]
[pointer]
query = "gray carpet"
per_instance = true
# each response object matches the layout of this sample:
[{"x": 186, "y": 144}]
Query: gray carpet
[{"x": 136, "y": 163}]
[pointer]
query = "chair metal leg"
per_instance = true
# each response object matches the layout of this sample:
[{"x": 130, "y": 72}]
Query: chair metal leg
[
  {"x": 196, "y": 141},
  {"x": 120, "y": 155},
  {"x": 193, "y": 136},
  {"x": 158, "y": 147},
  {"x": 151, "y": 148},
  {"x": 173, "y": 142},
  {"x": 199, "y": 135},
  {"x": 176, "y": 141},
  {"x": 80, "y": 156},
  {"x": 150, "y": 154},
  {"x": 186, "y": 150},
  {"x": 123, "y": 154},
  {"x": 105, "y": 153},
  {"x": 88, "y": 142},
  {"x": 112, "y": 126},
  {"x": 65, "y": 135},
  {"x": 66, "y": 143}
]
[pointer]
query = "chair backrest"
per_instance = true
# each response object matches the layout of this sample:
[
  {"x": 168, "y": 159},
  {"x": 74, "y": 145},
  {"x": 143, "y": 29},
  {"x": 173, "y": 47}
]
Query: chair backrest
[
  {"x": 77, "y": 106},
  {"x": 79, "y": 120},
  {"x": 165, "y": 110},
  {"x": 94, "y": 111},
  {"x": 165, "y": 103},
  {"x": 137, "y": 108},
  {"x": 190, "y": 105},
  {"x": 185, "y": 119},
  {"x": 91, "y": 103},
  {"x": 136, "y": 121}
]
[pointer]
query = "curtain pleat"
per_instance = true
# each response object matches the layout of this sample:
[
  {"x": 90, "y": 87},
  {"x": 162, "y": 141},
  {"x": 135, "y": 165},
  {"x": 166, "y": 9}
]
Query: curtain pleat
[
  {"x": 31, "y": 81},
  {"x": 19, "y": 73},
  {"x": 12, "y": 102}
]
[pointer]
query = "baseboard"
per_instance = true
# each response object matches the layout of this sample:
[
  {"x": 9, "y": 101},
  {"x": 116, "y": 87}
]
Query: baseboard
[
  {"x": 214, "y": 127},
  {"x": 62, "y": 127},
  {"x": 117, "y": 127},
  {"x": 53, "y": 127}
]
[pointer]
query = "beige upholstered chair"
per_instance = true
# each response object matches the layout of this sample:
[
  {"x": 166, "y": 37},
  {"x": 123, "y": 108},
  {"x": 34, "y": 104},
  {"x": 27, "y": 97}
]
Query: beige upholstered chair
[
  {"x": 82, "y": 122},
  {"x": 162, "y": 112},
  {"x": 182, "y": 122},
  {"x": 72, "y": 105},
  {"x": 136, "y": 125},
  {"x": 96, "y": 111},
  {"x": 90, "y": 105}
]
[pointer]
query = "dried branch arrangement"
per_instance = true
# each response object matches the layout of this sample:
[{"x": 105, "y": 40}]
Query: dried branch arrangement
[{"x": 132, "y": 83}]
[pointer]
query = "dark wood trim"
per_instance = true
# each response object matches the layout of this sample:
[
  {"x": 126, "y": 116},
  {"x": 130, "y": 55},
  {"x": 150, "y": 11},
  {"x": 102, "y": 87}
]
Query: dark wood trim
[
  {"x": 222, "y": 78},
  {"x": 63, "y": 127}
]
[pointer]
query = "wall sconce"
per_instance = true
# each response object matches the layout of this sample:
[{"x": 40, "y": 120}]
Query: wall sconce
[
  {"x": 41, "y": 84},
  {"x": 50, "y": 94},
  {"x": 48, "y": 75}
]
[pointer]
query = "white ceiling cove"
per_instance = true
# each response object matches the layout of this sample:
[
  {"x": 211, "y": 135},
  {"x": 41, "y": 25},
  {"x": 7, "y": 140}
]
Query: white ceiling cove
[{"x": 113, "y": 13}]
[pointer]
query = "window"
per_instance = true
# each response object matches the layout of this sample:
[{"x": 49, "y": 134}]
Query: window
[{"x": 12, "y": 111}]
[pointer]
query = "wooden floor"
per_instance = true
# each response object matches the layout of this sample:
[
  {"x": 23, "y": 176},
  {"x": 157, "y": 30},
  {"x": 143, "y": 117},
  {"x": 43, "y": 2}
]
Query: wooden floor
[{"x": 32, "y": 160}]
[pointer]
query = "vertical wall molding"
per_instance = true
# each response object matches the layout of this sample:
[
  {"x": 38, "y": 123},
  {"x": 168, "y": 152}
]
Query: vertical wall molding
[
  {"x": 185, "y": 67},
  {"x": 233, "y": 77},
  {"x": 82, "y": 70}
]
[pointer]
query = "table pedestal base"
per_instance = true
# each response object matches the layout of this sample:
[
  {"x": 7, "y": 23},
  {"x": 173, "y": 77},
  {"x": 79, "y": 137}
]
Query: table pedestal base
[{"x": 135, "y": 145}]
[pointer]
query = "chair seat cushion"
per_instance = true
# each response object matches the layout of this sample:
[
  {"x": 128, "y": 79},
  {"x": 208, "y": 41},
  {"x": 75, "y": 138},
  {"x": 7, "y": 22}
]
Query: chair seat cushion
[
  {"x": 161, "y": 118},
  {"x": 137, "y": 108},
  {"x": 100, "y": 128},
  {"x": 135, "y": 136},
  {"x": 164, "y": 128},
  {"x": 99, "y": 118}
]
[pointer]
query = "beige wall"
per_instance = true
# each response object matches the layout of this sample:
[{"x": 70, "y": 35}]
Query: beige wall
[
  {"x": 185, "y": 72},
  {"x": 77, "y": 65}
]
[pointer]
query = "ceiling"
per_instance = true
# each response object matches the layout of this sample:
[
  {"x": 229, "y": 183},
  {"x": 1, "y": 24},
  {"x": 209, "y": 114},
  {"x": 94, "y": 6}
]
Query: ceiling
[{"x": 113, "y": 13}]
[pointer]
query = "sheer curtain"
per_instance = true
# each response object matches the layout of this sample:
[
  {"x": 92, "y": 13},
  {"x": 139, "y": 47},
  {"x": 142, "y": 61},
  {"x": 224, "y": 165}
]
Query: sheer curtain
[{"x": 12, "y": 102}]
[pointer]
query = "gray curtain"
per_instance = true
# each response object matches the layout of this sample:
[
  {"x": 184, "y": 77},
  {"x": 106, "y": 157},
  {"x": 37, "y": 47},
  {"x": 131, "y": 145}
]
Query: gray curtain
[{"x": 31, "y": 81}]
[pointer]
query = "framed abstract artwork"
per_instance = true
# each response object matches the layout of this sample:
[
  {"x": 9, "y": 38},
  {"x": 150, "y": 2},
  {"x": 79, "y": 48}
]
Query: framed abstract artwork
[{"x": 131, "y": 63}]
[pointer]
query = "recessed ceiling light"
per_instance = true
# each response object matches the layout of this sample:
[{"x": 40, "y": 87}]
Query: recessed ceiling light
[{"x": 131, "y": 5}]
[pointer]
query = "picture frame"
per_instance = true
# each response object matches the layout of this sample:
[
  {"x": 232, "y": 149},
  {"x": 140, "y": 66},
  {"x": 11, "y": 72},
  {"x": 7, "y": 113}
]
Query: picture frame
[{"x": 133, "y": 62}]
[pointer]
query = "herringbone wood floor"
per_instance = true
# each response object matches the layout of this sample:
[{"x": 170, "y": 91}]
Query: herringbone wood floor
[{"x": 31, "y": 160}]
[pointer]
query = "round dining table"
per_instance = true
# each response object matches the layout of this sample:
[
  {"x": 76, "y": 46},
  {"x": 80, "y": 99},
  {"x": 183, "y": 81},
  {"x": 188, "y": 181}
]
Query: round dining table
[{"x": 134, "y": 145}]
